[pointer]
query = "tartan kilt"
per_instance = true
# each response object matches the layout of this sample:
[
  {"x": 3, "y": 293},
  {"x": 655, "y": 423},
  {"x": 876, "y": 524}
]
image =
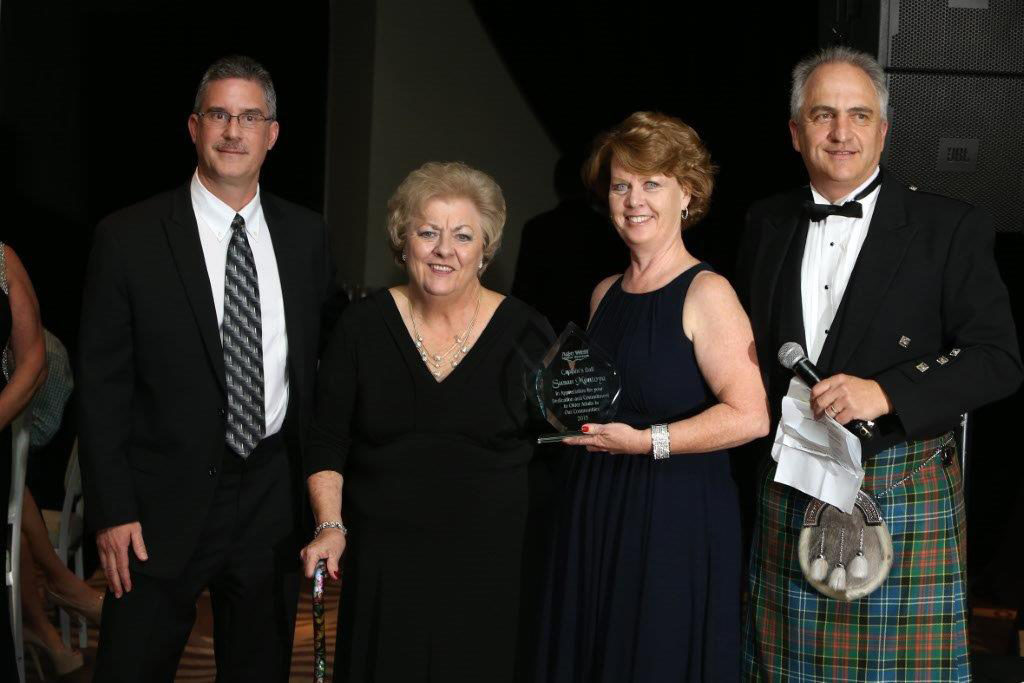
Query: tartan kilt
[{"x": 912, "y": 628}]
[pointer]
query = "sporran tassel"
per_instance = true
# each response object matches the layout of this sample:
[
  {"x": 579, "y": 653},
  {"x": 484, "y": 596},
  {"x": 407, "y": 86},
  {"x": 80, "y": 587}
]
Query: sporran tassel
[
  {"x": 859, "y": 564},
  {"x": 819, "y": 567},
  {"x": 859, "y": 567},
  {"x": 837, "y": 581}
]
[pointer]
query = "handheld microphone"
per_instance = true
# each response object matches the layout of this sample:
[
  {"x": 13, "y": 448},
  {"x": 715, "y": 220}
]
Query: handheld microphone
[{"x": 792, "y": 357}]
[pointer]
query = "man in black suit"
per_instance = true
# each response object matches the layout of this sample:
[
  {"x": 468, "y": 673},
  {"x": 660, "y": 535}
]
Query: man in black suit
[
  {"x": 896, "y": 298},
  {"x": 199, "y": 340}
]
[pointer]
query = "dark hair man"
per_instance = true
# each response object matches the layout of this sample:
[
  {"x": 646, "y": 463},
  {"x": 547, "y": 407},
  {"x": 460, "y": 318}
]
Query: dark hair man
[{"x": 200, "y": 324}]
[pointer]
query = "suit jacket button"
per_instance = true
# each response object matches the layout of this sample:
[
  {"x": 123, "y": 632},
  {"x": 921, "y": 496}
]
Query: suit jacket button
[{"x": 213, "y": 470}]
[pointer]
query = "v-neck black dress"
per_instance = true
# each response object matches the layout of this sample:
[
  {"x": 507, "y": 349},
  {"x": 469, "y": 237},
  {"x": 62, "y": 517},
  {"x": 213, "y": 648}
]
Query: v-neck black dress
[{"x": 435, "y": 494}]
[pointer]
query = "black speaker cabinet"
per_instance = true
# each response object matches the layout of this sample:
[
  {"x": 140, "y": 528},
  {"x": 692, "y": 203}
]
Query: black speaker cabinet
[
  {"x": 955, "y": 70},
  {"x": 961, "y": 136}
]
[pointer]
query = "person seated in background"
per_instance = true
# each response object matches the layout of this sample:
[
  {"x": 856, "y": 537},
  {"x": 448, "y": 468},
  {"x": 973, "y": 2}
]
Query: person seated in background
[
  {"x": 63, "y": 588},
  {"x": 24, "y": 369},
  {"x": 38, "y": 558}
]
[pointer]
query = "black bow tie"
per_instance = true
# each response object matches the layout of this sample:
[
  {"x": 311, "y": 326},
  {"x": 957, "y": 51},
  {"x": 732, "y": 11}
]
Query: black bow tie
[
  {"x": 819, "y": 212},
  {"x": 850, "y": 209}
]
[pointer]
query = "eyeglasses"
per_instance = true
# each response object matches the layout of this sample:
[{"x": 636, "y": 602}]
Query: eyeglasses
[{"x": 222, "y": 119}]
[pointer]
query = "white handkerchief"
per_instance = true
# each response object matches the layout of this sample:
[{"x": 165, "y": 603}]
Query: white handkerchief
[{"x": 819, "y": 457}]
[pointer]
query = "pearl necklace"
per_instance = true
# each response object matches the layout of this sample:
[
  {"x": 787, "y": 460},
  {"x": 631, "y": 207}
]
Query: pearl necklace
[{"x": 458, "y": 349}]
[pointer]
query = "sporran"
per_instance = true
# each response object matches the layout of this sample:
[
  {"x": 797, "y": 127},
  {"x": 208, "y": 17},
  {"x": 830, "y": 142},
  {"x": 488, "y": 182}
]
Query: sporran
[{"x": 845, "y": 556}]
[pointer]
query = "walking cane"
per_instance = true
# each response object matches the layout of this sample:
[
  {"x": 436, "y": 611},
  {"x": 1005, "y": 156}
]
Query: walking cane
[{"x": 319, "y": 630}]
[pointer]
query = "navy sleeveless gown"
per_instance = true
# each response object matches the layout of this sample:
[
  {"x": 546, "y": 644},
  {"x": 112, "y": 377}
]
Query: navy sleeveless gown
[{"x": 645, "y": 576}]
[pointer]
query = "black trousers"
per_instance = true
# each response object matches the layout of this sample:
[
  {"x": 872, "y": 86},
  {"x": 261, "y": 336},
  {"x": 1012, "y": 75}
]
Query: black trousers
[{"x": 248, "y": 559}]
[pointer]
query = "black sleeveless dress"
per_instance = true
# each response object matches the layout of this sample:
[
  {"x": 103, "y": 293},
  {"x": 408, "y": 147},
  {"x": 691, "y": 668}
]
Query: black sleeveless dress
[{"x": 644, "y": 582}]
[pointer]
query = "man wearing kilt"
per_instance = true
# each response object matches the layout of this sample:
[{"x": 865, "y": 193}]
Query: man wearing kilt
[{"x": 897, "y": 299}]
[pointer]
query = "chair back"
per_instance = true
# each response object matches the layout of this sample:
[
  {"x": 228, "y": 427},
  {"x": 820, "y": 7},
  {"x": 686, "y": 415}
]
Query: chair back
[
  {"x": 20, "y": 431},
  {"x": 73, "y": 474},
  {"x": 72, "y": 505}
]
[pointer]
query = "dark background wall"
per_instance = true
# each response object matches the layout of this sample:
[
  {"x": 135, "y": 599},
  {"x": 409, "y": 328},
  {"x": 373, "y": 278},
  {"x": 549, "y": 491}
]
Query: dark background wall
[
  {"x": 585, "y": 66},
  {"x": 94, "y": 97},
  {"x": 94, "y": 100}
]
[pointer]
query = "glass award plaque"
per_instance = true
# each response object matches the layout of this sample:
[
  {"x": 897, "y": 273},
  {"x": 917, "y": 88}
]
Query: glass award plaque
[{"x": 577, "y": 383}]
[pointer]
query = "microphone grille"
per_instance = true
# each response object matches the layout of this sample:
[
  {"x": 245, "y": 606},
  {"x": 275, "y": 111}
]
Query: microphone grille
[{"x": 789, "y": 354}]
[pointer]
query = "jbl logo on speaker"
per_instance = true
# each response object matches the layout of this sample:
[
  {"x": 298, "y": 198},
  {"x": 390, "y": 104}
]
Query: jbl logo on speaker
[{"x": 957, "y": 154}]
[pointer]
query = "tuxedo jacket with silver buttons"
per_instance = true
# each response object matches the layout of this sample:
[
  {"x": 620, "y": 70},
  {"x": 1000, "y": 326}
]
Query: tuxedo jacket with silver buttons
[{"x": 925, "y": 314}]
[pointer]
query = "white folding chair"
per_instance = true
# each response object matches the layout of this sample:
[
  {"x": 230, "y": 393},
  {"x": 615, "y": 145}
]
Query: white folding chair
[
  {"x": 66, "y": 533},
  {"x": 19, "y": 461}
]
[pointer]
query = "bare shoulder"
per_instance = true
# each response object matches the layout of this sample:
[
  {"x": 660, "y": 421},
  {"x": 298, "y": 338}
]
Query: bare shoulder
[
  {"x": 9, "y": 254},
  {"x": 22, "y": 297},
  {"x": 490, "y": 301},
  {"x": 490, "y": 298},
  {"x": 600, "y": 290},
  {"x": 709, "y": 289},
  {"x": 710, "y": 300},
  {"x": 398, "y": 293},
  {"x": 15, "y": 268}
]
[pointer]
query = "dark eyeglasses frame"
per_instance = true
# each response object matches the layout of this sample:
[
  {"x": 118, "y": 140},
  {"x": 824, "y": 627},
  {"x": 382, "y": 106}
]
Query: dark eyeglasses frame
[{"x": 227, "y": 122}]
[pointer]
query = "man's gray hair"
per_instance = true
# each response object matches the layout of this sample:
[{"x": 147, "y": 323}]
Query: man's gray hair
[
  {"x": 239, "y": 66},
  {"x": 837, "y": 54}
]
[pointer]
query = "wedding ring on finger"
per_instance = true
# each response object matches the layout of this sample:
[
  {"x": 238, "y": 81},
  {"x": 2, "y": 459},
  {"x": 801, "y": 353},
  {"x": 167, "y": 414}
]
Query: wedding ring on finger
[{"x": 833, "y": 413}]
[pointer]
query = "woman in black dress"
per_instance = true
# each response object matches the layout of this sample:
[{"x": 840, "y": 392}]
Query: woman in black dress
[
  {"x": 423, "y": 415},
  {"x": 646, "y": 574},
  {"x": 21, "y": 333}
]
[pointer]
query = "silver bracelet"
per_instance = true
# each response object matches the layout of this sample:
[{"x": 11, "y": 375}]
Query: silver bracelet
[
  {"x": 330, "y": 525},
  {"x": 661, "y": 447}
]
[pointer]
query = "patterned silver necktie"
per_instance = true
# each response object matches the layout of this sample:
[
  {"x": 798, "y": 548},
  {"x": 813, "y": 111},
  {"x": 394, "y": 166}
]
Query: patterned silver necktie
[{"x": 242, "y": 338}]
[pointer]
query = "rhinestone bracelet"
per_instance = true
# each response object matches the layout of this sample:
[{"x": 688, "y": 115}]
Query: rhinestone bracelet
[
  {"x": 330, "y": 525},
  {"x": 661, "y": 447}
]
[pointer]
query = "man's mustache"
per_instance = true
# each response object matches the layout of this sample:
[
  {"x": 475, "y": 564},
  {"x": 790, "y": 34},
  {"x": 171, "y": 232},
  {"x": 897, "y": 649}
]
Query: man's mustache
[{"x": 228, "y": 147}]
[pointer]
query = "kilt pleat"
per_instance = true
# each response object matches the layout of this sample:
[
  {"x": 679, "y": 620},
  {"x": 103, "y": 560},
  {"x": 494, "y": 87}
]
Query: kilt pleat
[{"x": 912, "y": 628}]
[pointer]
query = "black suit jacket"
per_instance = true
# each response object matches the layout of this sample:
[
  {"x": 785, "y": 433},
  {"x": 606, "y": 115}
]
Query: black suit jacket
[
  {"x": 925, "y": 314},
  {"x": 151, "y": 368}
]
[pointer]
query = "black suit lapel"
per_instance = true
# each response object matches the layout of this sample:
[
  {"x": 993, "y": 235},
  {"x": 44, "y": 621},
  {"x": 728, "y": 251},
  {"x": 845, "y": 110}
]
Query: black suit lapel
[
  {"x": 788, "y": 306},
  {"x": 776, "y": 311},
  {"x": 765, "y": 301},
  {"x": 288, "y": 265},
  {"x": 889, "y": 235},
  {"x": 183, "y": 237}
]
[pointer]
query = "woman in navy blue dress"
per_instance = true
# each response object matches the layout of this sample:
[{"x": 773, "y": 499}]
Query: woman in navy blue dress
[{"x": 645, "y": 578}]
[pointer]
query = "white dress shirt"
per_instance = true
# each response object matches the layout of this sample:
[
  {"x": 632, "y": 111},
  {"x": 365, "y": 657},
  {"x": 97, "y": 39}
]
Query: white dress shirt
[
  {"x": 830, "y": 253},
  {"x": 214, "y": 218}
]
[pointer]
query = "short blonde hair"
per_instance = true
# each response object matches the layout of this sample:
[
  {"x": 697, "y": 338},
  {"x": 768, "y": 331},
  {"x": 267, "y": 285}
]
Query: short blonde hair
[
  {"x": 446, "y": 180},
  {"x": 650, "y": 142}
]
